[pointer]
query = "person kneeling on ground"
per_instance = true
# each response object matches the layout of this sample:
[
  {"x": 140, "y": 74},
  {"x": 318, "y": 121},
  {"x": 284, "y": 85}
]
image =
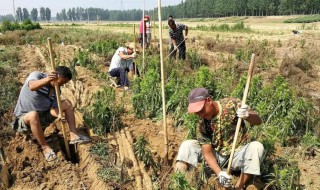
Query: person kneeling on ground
[
  {"x": 215, "y": 137},
  {"x": 37, "y": 107},
  {"x": 122, "y": 63}
]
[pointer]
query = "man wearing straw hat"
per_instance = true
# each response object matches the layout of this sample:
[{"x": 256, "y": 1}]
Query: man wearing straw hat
[
  {"x": 178, "y": 40},
  {"x": 122, "y": 63},
  {"x": 37, "y": 107},
  {"x": 215, "y": 136}
]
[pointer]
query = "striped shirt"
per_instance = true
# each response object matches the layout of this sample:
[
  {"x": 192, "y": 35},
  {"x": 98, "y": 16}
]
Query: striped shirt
[{"x": 177, "y": 34}]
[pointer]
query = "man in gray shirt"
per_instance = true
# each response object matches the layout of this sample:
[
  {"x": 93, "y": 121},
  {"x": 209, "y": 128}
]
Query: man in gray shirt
[{"x": 37, "y": 107}]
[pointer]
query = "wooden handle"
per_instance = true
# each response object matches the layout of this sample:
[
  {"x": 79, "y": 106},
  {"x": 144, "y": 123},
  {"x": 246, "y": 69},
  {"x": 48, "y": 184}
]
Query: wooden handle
[
  {"x": 59, "y": 100},
  {"x": 244, "y": 98}
]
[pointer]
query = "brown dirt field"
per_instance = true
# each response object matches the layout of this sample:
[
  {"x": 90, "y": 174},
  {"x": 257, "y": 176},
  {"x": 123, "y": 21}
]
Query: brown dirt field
[{"x": 26, "y": 161}]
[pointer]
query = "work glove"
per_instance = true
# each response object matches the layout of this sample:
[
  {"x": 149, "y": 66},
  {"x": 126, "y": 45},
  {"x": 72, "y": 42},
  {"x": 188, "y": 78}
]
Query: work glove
[
  {"x": 134, "y": 55},
  {"x": 224, "y": 179},
  {"x": 243, "y": 111},
  {"x": 175, "y": 48}
]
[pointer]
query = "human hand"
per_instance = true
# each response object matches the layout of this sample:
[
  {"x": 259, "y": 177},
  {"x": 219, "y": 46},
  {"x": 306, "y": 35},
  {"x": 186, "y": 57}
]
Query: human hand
[
  {"x": 134, "y": 55},
  {"x": 52, "y": 76},
  {"x": 175, "y": 48},
  {"x": 186, "y": 37},
  {"x": 224, "y": 179},
  {"x": 243, "y": 111}
]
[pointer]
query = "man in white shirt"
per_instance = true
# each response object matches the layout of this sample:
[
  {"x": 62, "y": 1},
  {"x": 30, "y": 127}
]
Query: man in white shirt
[{"x": 122, "y": 63}]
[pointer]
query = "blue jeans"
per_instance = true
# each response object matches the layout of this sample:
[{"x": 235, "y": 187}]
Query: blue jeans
[{"x": 122, "y": 74}]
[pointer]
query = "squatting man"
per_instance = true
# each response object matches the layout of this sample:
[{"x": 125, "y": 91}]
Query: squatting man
[
  {"x": 37, "y": 107},
  {"x": 215, "y": 135}
]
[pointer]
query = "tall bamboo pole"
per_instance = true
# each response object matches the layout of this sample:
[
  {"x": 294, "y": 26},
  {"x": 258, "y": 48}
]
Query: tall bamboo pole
[
  {"x": 163, "y": 87},
  {"x": 134, "y": 49},
  {"x": 59, "y": 101},
  {"x": 143, "y": 35},
  {"x": 244, "y": 98},
  {"x": 154, "y": 30}
]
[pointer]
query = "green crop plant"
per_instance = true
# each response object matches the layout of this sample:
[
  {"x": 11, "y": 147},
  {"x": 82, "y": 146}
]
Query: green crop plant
[
  {"x": 9, "y": 89},
  {"x": 100, "y": 149},
  {"x": 178, "y": 181},
  {"x": 194, "y": 59},
  {"x": 104, "y": 115},
  {"x": 144, "y": 154},
  {"x": 104, "y": 48}
]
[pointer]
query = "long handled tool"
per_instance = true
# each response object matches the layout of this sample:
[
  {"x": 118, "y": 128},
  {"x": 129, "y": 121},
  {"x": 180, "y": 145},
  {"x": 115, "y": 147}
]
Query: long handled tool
[
  {"x": 244, "y": 98},
  {"x": 4, "y": 176},
  {"x": 173, "y": 50},
  {"x": 59, "y": 102}
]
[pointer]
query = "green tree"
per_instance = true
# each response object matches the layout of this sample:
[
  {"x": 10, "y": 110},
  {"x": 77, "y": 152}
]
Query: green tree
[
  {"x": 19, "y": 14},
  {"x": 42, "y": 13},
  {"x": 34, "y": 14},
  {"x": 64, "y": 16},
  {"x": 25, "y": 13},
  {"x": 48, "y": 14}
]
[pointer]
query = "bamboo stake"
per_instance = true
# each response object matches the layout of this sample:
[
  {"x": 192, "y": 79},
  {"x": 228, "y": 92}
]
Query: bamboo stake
[
  {"x": 154, "y": 30},
  {"x": 134, "y": 49},
  {"x": 59, "y": 101},
  {"x": 244, "y": 98},
  {"x": 163, "y": 87},
  {"x": 143, "y": 36}
]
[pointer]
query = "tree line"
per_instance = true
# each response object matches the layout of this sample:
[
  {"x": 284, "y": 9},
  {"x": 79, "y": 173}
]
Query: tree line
[
  {"x": 185, "y": 9},
  {"x": 23, "y": 14},
  {"x": 222, "y": 8}
]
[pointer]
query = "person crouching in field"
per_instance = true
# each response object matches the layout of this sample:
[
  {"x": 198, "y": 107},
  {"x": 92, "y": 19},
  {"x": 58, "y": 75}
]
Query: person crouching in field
[
  {"x": 215, "y": 136},
  {"x": 178, "y": 40},
  {"x": 122, "y": 63},
  {"x": 37, "y": 107}
]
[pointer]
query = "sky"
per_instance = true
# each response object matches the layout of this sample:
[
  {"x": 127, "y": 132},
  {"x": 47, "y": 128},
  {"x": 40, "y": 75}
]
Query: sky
[{"x": 6, "y": 6}]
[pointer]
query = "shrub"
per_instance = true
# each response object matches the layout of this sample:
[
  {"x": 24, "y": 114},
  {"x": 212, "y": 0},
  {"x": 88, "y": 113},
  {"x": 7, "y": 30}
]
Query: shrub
[
  {"x": 178, "y": 181},
  {"x": 104, "y": 115}
]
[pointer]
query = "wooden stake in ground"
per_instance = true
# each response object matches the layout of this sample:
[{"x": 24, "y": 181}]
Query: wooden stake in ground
[
  {"x": 134, "y": 49},
  {"x": 59, "y": 101},
  {"x": 163, "y": 87},
  {"x": 244, "y": 98}
]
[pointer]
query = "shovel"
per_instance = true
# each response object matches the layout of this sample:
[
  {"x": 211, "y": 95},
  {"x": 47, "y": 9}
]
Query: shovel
[{"x": 4, "y": 175}]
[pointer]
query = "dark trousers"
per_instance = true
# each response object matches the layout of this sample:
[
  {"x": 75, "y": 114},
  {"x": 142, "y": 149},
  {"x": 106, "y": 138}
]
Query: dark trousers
[
  {"x": 122, "y": 74},
  {"x": 182, "y": 51}
]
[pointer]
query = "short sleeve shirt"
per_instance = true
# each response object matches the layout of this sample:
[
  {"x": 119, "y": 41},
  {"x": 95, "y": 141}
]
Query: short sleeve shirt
[
  {"x": 117, "y": 62},
  {"x": 177, "y": 34},
  {"x": 220, "y": 130},
  {"x": 39, "y": 100}
]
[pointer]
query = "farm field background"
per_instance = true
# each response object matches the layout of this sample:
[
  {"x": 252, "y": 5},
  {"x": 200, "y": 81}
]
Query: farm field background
[{"x": 127, "y": 151}]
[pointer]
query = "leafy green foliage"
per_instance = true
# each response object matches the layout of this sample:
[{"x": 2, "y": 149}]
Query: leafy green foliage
[
  {"x": 26, "y": 25},
  {"x": 100, "y": 149},
  {"x": 104, "y": 115},
  {"x": 304, "y": 19},
  {"x": 9, "y": 90},
  {"x": 104, "y": 48},
  {"x": 239, "y": 27},
  {"x": 178, "y": 181},
  {"x": 143, "y": 153}
]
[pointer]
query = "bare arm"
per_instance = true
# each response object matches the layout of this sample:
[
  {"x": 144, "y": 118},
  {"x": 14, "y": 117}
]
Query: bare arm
[
  {"x": 37, "y": 84},
  {"x": 174, "y": 42},
  {"x": 207, "y": 152},
  {"x": 124, "y": 56},
  {"x": 254, "y": 118}
]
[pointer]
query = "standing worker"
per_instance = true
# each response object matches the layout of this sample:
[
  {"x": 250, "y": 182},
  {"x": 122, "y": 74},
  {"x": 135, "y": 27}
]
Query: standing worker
[
  {"x": 215, "y": 136},
  {"x": 170, "y": 40},
  {"x": 143, "y": 29},
  {"x": 37, "y": 107},
  {"x": 178, "y": 40},
  {"x": 148, "y": 32},
  {"x": 122, "y": 63}
]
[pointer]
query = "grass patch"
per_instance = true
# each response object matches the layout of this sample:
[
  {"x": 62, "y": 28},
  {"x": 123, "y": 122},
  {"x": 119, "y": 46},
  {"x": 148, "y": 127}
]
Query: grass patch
[{"x": 304, "y": 19}]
